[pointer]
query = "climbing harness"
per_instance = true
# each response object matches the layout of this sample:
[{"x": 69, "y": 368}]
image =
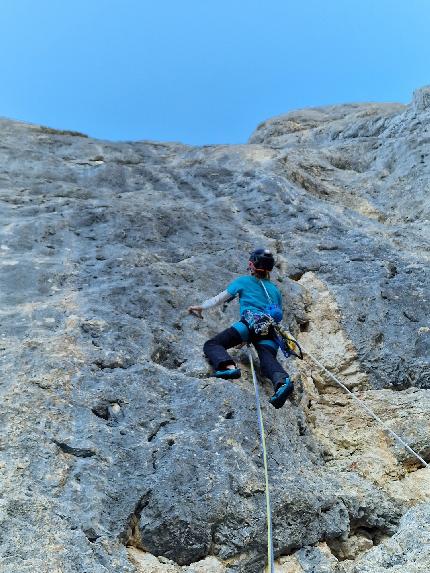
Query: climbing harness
[
  {"x": 266, "y": 474},
  {"x": 259, "y": 322},
  {"x": 366, "y": 408}
]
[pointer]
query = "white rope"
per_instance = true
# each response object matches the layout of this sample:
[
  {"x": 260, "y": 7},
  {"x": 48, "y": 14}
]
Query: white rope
[
  {"x": 367, "y": 409},
  {"x": 270, "y": 556},
  {"x": 265, "y": 290}
]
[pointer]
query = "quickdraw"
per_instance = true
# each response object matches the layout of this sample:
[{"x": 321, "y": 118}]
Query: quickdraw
[{"x": 287, "y": 343}]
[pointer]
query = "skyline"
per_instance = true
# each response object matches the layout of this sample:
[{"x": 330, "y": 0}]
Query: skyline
[{"x": 203, "y": 74}]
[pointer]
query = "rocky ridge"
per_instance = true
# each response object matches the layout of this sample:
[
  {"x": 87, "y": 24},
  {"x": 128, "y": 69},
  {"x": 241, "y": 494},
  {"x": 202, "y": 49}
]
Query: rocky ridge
[{"x": 119, "y": 451}]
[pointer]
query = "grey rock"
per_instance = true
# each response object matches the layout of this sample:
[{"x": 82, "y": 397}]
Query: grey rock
[
  {"x": 408, "y": 550},
  {"x": 116, "y": 434}
]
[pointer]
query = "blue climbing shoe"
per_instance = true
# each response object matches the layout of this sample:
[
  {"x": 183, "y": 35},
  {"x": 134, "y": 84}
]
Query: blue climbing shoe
[
  {"x": 228, "y": 373},
  {"x": 280, "y": 396}
]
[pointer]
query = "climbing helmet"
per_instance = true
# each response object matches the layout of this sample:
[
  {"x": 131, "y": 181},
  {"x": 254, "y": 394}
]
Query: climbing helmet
[{"x": 261, "y": 260}]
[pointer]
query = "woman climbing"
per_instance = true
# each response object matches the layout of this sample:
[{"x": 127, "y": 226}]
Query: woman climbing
[{"x": 260, "y": 305}]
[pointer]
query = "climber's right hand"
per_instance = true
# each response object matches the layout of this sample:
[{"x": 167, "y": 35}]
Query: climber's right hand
[{"x": 196, "y": 311}]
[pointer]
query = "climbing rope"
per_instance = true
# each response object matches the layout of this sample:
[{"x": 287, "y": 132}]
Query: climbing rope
[
  {"x": 366, "y": 408},
  {"x": 266, "y": 473},
  {"x": 361, "y": 404}
]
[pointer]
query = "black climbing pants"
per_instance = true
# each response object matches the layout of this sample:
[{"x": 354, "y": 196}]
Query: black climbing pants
[{"x": 215, "y": 350}]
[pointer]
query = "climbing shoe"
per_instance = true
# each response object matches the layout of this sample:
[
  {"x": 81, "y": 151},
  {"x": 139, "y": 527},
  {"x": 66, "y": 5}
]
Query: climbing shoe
[
  {"x": 280, "y": 396},
  {"x": 228, "y": 373}
]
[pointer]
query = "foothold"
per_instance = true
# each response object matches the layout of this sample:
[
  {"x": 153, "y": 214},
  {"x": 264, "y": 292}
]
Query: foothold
[{"x": 116, "y": 408}]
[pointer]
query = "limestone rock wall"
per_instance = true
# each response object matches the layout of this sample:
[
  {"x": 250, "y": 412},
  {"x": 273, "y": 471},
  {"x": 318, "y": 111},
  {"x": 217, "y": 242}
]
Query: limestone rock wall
[{"x": 119, "y": 451}]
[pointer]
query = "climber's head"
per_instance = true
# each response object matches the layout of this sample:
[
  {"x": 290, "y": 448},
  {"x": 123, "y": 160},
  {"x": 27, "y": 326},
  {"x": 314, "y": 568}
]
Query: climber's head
[{"x": 261, "y": 262}]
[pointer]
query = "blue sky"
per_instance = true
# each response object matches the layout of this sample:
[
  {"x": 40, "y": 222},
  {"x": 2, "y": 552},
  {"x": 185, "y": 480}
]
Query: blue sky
[{"x": 199, "y": 71}]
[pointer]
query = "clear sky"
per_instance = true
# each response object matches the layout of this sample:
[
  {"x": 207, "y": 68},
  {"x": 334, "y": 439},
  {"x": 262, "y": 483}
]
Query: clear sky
[{"x": 202, "y": 71}]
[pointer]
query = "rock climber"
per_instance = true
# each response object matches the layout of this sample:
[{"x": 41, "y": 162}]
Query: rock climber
[{"x": 260, "y": 305}]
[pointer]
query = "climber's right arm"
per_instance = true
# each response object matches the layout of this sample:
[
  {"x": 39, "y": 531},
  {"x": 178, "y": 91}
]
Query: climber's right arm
[{"x": 220, "y": 298}]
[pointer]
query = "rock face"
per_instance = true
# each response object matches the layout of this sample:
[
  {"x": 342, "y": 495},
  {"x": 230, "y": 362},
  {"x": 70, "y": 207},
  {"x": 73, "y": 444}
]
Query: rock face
[{"x": 119, "y": 452}]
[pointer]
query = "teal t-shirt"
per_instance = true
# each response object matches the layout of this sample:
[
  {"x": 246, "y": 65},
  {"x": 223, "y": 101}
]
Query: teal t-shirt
[{"x": 251, "y": 293}]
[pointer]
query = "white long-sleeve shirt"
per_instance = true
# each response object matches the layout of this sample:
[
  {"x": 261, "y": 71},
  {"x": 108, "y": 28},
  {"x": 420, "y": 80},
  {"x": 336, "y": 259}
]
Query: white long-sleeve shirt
[{"x": 220, "y": 298}]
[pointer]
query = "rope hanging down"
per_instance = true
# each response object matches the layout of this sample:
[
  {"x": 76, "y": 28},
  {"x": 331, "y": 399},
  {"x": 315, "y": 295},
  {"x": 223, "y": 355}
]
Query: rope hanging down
[
  {"x": 266, "y": 474},
  {"x": 366, "y": 408},
  {"x": 361, "y": 404}
]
